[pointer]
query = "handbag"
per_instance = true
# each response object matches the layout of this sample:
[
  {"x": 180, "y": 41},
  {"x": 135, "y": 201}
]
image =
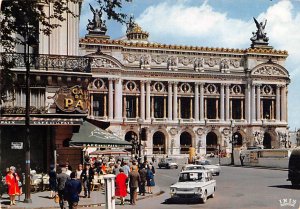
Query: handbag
[{"x": 56, "y": 198}]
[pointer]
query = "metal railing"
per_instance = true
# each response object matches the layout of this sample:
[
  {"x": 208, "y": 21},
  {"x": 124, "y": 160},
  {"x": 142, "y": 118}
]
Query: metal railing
[{"x": 48, "y": 62}]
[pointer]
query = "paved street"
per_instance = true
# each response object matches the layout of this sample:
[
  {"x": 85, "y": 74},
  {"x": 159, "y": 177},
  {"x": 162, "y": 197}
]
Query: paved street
[{"x": 237, "y": 188}]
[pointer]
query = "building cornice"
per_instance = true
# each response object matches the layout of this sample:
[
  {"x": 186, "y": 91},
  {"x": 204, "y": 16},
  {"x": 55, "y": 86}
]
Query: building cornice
[{"x": 198, "y": 49}]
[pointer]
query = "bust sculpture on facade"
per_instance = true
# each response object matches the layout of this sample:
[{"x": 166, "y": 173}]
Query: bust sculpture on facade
[
  {"x": 97, "y": 25},
  {"x": 260, "y": 36}
]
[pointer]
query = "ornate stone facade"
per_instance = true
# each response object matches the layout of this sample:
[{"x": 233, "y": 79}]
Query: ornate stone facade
[{"x": 189, "y": 96}]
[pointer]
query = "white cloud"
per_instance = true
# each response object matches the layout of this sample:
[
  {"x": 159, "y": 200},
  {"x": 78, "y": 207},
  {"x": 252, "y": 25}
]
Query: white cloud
[{"x": 203, "y": 26}]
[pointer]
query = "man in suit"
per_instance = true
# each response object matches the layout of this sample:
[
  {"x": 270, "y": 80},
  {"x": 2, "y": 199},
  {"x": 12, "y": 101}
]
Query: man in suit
[
  {"x": 72, "y": 191},
  {"x": 134, "y": 180},
  {"x": 62, "y": 178},
  {"x": 87, "y": 176}
]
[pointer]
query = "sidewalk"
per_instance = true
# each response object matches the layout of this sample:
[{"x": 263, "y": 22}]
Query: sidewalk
[{"x": 40, "y": 200}]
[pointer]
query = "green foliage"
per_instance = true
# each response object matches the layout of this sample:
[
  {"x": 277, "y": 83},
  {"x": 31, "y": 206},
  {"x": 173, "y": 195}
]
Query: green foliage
[{"x": 111, "y": 7}]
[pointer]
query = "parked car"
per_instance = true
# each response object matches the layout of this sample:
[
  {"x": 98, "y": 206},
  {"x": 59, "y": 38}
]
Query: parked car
[
  {"x": 294, "y": 167},
  {"x": 167, "y": 163},
  {"x": 215, "y": 169},
  {"x": 194, "y": 184}
]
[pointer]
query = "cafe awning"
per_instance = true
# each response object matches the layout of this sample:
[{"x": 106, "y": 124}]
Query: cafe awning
[
  {"x": 39, "y": 121},
  {"x": 90, "y": 135}
]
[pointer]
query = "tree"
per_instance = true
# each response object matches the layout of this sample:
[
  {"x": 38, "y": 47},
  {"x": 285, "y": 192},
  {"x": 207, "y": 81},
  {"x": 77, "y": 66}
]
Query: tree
[{"x": 21, "y": 21}]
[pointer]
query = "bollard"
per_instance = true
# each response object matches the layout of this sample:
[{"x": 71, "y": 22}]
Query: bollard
[{"x": 110, "y": 191}]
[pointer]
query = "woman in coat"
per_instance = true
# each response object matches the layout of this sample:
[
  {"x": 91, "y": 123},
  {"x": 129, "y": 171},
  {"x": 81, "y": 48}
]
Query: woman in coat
[
  {"x": 121, "y": 186},
  {"x": 150, "y": 179},
  {"x": 52, "y": 182},
  {"x": 12, "y": 180}
]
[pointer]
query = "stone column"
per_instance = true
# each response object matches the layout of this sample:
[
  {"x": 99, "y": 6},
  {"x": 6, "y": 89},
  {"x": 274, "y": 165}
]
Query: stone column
[
  {"x": 283, "y": 103},
  {"x": 105, "y": 106},
  {"x": 148, "y": 100},
  {"x": 253, "y": 116},
  {"x": 196, "y": 106},
  {"x": 142, "y": 101},
  {"x": 227, "y": 105},
  {"x": 248, "y": 102},
  {"x": 137, "y": 107},
  {"x": 110, "y": 100},
  {"x": 118, "y": 99},
  {"x": 92, "y": 105},
  {"x": 170, "y": 112},
  {"x": 278, "y": 103},
  {"x": 202, "y": 102},
  {"x": 222, "y": 104},
  {"x": 175, "y": 110},
  {"x": 152, "y": 107},
  {"x": 258, "y": 117}
]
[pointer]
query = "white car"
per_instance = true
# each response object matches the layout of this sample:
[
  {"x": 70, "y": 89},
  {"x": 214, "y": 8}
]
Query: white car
[
  {"x": 194, "y": 184},
  {"x": 215, "y": 169}
]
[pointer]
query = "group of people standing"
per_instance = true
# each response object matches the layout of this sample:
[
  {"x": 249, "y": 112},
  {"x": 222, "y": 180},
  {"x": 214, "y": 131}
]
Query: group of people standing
[
  {"x": 137, "y": 177},
  {"x": 67, "y": 184}
]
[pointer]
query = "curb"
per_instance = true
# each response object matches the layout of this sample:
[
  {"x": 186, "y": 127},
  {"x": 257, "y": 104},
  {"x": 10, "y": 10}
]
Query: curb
[
  {"x": 85, "y": 206},
  {"x": 258, "y": 167}
]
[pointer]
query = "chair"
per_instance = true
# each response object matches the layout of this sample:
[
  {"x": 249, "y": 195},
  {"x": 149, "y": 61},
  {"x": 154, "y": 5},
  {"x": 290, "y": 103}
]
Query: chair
[{"x": 95, "y": 184}]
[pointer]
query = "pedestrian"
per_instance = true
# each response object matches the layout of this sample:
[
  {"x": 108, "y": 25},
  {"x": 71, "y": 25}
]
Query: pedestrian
[
  {"x": 72, "y": 191},
  {"x": 52, "y": 182},
  {"x": 78, "y": 172},
  {"x": 153, "y": 159},
  {"x": 126, "y": 168},
  {"x": 121, "y": 185},
  {"x": 242, "y": 159},
  {"x": 116, "y": 169},
  {"x": 134, "y": 180},
  {"x": 143, "y": 176},
  {"x": 62, "y": 178},
  {"x": 87, "y": 177},
  {"x": 150, "y": 179},
  {"x": 12, "y": 180}
]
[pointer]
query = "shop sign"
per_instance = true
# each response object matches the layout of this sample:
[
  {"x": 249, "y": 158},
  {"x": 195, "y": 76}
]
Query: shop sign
[
  {"x": 72, "y": 99},
  {"x": 16, "y": 145}
]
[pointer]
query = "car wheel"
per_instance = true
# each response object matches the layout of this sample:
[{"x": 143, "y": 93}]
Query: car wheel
[
  {"x": 159, "y": 167},
  {"x": 213, "y": 194},
  {"x": 176, "y": 166},
  {"x": 204, "y": 198},
  {"x": 217, "y": 174}
]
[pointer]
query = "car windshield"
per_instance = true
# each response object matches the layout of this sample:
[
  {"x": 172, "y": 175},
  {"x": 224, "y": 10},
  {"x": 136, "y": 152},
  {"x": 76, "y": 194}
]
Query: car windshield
[
  {"x": 194, "y": 167},
  {"x": 185, "y": 177},
  {"x": 204, "y": 162}
]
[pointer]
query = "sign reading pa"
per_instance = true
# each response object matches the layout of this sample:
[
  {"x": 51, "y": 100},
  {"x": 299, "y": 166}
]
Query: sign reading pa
[{"x": 73, "y": 99}]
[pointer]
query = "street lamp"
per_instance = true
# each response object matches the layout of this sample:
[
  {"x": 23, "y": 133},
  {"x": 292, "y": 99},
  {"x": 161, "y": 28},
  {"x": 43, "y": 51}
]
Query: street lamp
[
  {"x": 232, "y": 141},
  {"x": 140, "y": 121}
]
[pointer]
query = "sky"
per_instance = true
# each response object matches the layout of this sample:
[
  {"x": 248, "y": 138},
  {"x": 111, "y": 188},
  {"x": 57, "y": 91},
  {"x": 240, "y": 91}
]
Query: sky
[{"x": 218, "y": 23}]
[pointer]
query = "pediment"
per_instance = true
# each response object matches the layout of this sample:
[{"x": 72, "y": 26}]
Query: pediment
[
  {"x": 104, "y": 61},
  {"x": 270, "y": 70}
]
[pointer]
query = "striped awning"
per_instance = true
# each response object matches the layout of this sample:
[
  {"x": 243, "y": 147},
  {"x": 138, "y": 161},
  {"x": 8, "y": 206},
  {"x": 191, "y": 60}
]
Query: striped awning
[{"x": 37, "y": 121}]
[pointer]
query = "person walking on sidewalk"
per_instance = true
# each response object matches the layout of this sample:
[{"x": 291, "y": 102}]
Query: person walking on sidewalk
[
  {"x": 150, "y": 179},
  {"x": 121, "y": 185},
  {"x": 52, "y": 181},
  {"x": 62, "y": 178},
  {"x": 12, "y": 180},
  {"x": 143, "y": 176},
  {"x": 87, "y": 177},
  {"x": 72, "y": 191},
  {"x": 134, "y": 180}
]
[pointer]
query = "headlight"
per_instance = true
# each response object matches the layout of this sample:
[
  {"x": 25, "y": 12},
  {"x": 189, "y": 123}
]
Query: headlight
[
  {"x": 198, "y": 189},
  {"x": 172, "y": 190}
]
